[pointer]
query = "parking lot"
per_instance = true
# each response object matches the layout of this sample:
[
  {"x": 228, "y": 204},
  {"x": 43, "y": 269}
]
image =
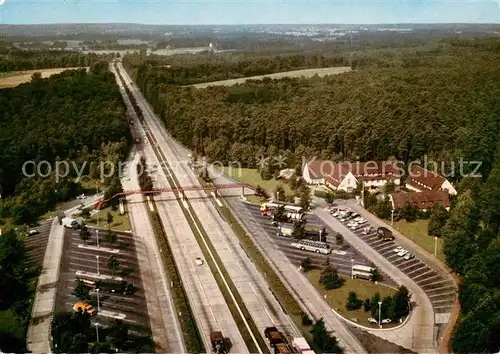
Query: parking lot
[
  {"x": 78, "y": 258},
  {"x": 441, "y": 291},
  {"x": 342, "y": 256},
  {"x": 37, "y": 244}
]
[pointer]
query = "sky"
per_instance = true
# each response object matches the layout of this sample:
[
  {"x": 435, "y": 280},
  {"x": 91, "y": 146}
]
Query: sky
[{"x": 220, "y": 12}]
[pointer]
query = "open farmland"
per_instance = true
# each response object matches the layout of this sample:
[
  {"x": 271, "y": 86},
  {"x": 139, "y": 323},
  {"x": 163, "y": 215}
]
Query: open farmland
[
  {"x": 307, "y": 73},
  {"x": 14, "y": 79}
]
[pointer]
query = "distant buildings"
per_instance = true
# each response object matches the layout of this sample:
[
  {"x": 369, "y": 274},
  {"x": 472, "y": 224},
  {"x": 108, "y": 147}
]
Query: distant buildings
[
  {"x": 346, "y": 175},
  {"x": 425, "y": 188}
]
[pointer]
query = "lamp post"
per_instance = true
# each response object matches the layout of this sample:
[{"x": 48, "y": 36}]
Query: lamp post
[
  {"x": 97, "y": 331},
  {"x": 392, "y": 217},
  {"x": 435, "y": 245},
  {"x": 352, "y": 268},
  {"x": 97, "y": 262},
  {"x": 97, "y": 235},
  {"x": 379, "y": 313},
  {"x": 98, "y": 307}
]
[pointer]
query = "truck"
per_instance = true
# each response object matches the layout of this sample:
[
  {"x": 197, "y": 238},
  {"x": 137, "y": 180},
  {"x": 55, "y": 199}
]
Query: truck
[
  {"x": 116, "y": 286},
  {"x": 218, "y": 342},
  {"x": 313, "y": 232},
  {"x": 385, "y": 234},
  {"x": 301, "y": 346},
  {"x": 277, "y": 341}
]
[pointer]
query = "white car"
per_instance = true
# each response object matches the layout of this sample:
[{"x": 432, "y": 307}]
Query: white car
[
  {"x": 372, "y": 320},
  {"x": 398, "y": 249},
  {"x": 409, "y": 256},
  {"x": 402, "y": 253},
  {"x": 199, "y": 261},
  {"x": 386, "y": 320}
]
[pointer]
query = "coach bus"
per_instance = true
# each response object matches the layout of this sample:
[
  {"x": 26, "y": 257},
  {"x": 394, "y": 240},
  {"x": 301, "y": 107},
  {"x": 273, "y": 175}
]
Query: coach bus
[
  {"x": 361, "y": 271},
  {"x": 313, "y": 246}
]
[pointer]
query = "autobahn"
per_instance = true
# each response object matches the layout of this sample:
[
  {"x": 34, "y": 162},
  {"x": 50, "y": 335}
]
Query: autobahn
[
  {"x": 206, "y": 299},
  {"x": 250, "y": 284}
]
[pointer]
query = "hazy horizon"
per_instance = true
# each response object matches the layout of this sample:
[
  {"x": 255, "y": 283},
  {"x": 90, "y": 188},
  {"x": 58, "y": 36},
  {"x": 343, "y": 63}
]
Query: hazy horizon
[{"x": 250, "y": 12}]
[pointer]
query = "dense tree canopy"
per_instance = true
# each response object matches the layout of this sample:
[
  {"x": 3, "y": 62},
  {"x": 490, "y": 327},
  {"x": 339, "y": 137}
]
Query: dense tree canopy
[
  {"x": 17, "y": 60},
  {"x": 76, "y": 117},
  {"x": 443, "y": 103}
]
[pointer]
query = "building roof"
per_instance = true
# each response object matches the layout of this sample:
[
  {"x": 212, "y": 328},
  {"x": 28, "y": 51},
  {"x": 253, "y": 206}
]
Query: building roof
[
  {"x": 421, "y": 200},
  {"x": 422, "y": 178},
  {"x": 334, "y": 172}
]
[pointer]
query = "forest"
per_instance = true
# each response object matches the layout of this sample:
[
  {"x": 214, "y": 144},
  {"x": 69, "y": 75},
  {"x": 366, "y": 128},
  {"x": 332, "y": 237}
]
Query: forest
[
  {"x": 12, "y": 59},
  {"x": 440, "y": 100},
  {"x": 74, "y": 116}
]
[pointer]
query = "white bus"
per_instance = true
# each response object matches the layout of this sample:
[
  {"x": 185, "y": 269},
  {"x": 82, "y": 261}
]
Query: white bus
[
  {"x": 361, "y": 271},
  {"x": 266, "y": 208},
  {"x": 313, "y": 246}
]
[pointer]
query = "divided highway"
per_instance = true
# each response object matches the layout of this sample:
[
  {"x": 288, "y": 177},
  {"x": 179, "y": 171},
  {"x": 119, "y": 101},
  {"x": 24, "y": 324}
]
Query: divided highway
[
  {"x": 207, "y": 303},
  {"x": 250, "y": 284}
]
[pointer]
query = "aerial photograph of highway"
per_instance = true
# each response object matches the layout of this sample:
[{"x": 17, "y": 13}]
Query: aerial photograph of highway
[{"x": 249, "y": 177}]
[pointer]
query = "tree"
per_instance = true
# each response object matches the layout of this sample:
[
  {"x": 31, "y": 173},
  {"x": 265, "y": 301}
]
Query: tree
[
  {"x": 329, "y": 277},
  {"x": 459, "y": 232},
  {"x": 109, "y": 218},
  {"x": 84, "y": 234},
  {"x": 390, "y": 187},
  {"x": 305, "y": 197},
  {"x": 85, "y": 213},
  {"x": 409, "y": 212},
  {"x": 81, "y": 291},
  {"x": 261, "y": 192},
  {"x": 118, "y": 333},
  {"x": 367, "y": 305},
  {"x": 490, "y": 198},
  {"x": 329, "y": 197},
  {"x": 374, "y": 304},
  {"x": 306, "y": 264},
  {"x": 323, "y": 340},
  {"x": 375, "y": 275},
  {"x": 299, "y": 230},
  {"x": 383, "y": 209},
  {"x": 401, "y": 302},
  {"x": 353, "y": 303},
  {"x": 110, "y": 237},
  {"x": 339, "y": 239},
  {"x": 439, "y": 217},
  {"x": 279, "y": 192},
  {"x": 279, "y": 214},
  {"x": 113, "y": 265},
  {"x": 306, "y": 320}
]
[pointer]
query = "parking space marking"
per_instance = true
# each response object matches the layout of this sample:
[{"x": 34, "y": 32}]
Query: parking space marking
[
  {"x": 425, "y": 280},
  {"x": 443, "y": 294},
  {"x": 420, "y": 275}
]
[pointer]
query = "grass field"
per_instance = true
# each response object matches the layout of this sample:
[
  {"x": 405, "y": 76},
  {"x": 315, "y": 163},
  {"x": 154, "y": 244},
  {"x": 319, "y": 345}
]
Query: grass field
[
  {"x": 10, "y": 324},
  {"x": 252, "y": 177},
  {"x": 417, "y": 232},
  {"x": 120, "y": 222},
  {"x": 12, "y": 79},
  {"x": 307, "y": 73},
  {"x": 337, "y": 298}
]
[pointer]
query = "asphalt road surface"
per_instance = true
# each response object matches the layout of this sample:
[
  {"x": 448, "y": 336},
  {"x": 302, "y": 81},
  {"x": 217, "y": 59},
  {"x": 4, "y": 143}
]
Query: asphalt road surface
[{"x": 130, "y": 308}]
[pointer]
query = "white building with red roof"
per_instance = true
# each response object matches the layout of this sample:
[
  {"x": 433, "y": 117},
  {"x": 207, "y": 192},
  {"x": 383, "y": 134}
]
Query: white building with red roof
[{"x": 346, "y": 175}]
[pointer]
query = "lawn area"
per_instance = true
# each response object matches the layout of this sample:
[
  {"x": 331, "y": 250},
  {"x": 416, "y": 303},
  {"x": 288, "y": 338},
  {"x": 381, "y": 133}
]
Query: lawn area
[
  {"x": 120, "y": 222},
  {"x": 417, "y": 232},
  {"x": 252, "y": 177},
  {"x": 337, "y": 298}
]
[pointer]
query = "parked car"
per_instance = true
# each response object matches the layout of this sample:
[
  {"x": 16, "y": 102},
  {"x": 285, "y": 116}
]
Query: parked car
[
  {"x": 402, "y": 252},
  {"x": 398, "y": 249},
  {"x": 368, "y": 230},
  {"x": 372, "y": 320},
  {"x": 199, "y": 261},
  {"x": 84, "y": 307},
  {"x": 33, "y": 232},
  {"x": 409, "y": 256},
  {"x": 386, "y": 320}
]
